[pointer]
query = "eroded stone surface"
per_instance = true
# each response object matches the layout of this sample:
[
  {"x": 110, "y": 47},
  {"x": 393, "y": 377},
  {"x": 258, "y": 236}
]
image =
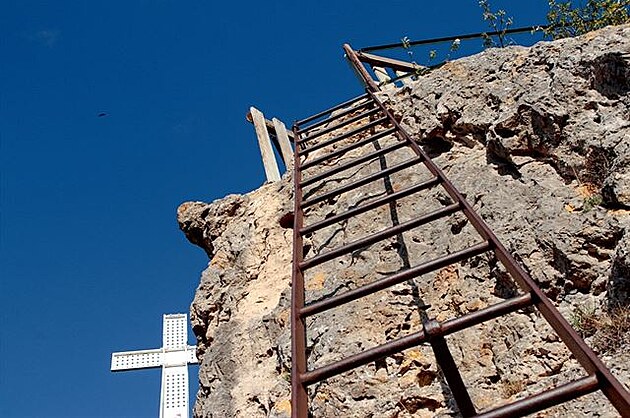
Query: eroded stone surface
[{"x": 533, "y": 137}]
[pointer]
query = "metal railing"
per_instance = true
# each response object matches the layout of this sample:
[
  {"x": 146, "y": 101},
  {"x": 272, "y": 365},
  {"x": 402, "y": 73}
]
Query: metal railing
[{"x": 377, "y": 63}]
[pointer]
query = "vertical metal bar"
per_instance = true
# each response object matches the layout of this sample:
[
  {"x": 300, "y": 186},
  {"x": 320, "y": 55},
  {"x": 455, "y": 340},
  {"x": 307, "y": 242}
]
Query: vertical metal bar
[
  {"x": 360, "y": 68},
  {"x": 445, "y": 360},
  {"x": 299, "y": 395}
]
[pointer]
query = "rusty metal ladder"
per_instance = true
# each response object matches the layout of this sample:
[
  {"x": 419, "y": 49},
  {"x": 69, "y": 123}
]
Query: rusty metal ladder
[{"x": 369, "y": 107}]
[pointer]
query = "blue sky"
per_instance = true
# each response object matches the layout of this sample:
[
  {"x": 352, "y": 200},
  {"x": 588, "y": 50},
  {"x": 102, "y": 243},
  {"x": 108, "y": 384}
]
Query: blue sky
[{"x": 90, "y": 253}]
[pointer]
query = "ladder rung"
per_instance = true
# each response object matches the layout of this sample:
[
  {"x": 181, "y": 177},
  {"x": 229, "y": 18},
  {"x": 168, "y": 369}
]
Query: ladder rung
[
  {"x": 379, "y": 236},
  {"x": 546, "y": 399},
  {"x": 332, "y": 109},
  {"x": 340, "y": 125},
  {"x": 394, "y": 279},
  {"x": 345, "y": 135},
  {"x": 348, "y": 148},
  {"x": 335, "y": 117},
  {"x": 365, "y": 180},
  {"x": 412, "y": 340},
  {"x": 365, "y": 357},
  {"x": 357, "y": 161},
  {"x": 454, "y": 325},
  {"x": 371, "y": 205}
]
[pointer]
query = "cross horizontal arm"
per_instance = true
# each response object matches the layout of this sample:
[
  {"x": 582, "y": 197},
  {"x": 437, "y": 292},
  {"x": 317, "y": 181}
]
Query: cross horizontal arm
[
  {"x": 140, "y": 359},
  {"x": 147, "y": 359}
]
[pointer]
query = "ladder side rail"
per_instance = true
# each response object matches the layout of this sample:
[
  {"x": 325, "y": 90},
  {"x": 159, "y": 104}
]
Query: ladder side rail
[
  {"x": 299, "y": 394},
  {"x": 359, "y": 68}
]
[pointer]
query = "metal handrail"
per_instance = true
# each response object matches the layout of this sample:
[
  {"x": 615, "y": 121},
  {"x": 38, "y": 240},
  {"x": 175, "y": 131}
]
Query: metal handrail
[{"x": 453, "y": 38}]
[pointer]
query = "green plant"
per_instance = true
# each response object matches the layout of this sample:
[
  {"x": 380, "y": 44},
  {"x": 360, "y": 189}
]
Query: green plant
[
  {"x": 566, "y": 19},
  {"x": 592, "y": 201},
  {"x": 454, "y": 47},
  {"x": 584, "y": 320},
  {"x": 419, "y": 69},
  {"x": 286, "y": 376},
  {"x": 499, "y": 22},
  {"x": 407, "y": 46},
  {"x": 610, "y": 329}
]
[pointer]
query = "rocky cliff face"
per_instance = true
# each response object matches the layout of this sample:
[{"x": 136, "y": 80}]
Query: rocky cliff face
[{"x": 539, "y": 141}]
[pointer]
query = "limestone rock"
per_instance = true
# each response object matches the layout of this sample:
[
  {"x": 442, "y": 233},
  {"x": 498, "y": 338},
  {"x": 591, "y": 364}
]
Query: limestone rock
[{"x": 538, "y": 140}]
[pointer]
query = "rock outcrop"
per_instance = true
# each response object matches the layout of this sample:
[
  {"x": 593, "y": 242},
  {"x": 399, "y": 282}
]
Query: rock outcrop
[{"x": 539, "y": 141}]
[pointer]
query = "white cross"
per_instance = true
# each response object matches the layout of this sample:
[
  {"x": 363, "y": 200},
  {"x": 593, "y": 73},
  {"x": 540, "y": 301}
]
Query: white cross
[{"x": 173, "y": 357}]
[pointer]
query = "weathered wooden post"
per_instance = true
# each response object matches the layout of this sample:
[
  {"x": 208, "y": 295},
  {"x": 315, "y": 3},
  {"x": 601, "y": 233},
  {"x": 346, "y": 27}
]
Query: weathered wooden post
[
  {"x": 266, "y": 151},
  {"x": 283, "y": 141}
]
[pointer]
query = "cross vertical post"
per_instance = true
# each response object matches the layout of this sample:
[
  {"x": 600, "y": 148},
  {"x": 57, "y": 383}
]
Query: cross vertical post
[{"x": 173, "y": 358}]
